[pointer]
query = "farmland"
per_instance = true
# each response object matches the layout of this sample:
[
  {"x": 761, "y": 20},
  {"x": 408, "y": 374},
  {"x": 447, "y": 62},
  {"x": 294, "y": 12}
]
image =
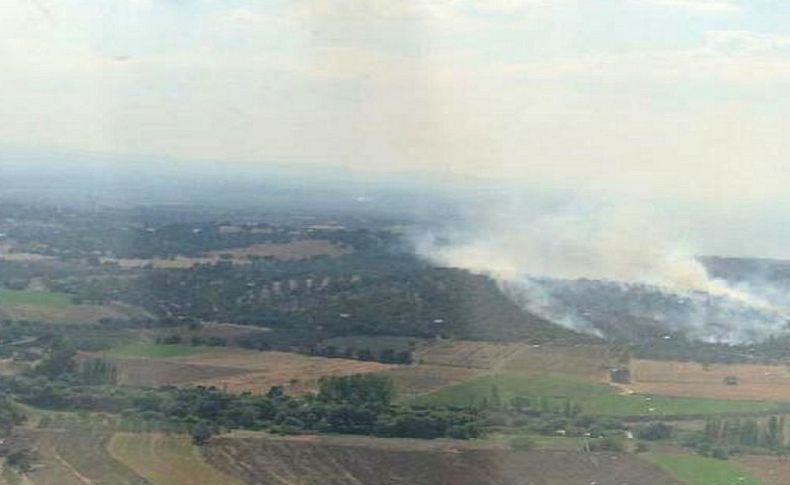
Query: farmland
[
  {"x": 235, "y": 370},
  {"x": 294, "y": 250},
  {"x": 772, "y": 470},
  {"x": 154, "y": 351},
  {"x": 698, "y": 470},
  {"x": 165, "y": 459},
  {"x": 344, "y": 460},
  {"x": 587, "y": 361},
  {"x": 595, "y": 399},
  {"x": 54, "y": 307},
  {"x": 692, "y": 379}
]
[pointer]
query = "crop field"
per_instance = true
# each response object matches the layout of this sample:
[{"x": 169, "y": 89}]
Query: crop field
[
  {"x": 166, "y": 459},
  {"x": 691, "y": 379},
  {"x": 376, "y": 343},
  {"x": 138, "y": 372},
  {"x": 234, "y": 370},
  {"x": 591, "y": 362},
  {"x": 470, "y": 354},
  {"x": 302, "y": 249},
  {"x": 415, "y": 380},
  {"x": 595, "y": 399},
  {"x": 358, "y": 460},
  {"x": 154, "y": 351},
  {"x": 295, "y": 250},
  {"x": 699, "y": 470},
  {"x": 298, "y": 373},
  {"x": 772, "y": 470},
  {"x": 579, "y": 360},
  {"x": 39, "y": 298},
  {"x": 46, "y": 306}
]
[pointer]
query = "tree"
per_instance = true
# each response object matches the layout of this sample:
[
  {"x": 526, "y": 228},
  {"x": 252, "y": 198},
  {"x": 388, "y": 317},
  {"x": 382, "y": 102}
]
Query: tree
[{"x": 201, "y": 433}]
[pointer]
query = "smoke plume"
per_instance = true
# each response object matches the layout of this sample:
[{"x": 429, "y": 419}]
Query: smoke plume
[{"x": 528, "y": 254}]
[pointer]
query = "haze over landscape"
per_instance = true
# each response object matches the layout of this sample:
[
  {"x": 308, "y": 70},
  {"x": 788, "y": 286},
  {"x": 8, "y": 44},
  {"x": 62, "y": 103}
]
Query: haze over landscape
[{"x": 392, "y": 242}]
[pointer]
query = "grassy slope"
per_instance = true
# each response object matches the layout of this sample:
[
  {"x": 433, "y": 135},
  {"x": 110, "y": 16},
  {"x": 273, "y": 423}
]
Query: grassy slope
[
  {"x": 154, "y": 351},
  {"x": 699, "y": 470},
  {"x": 596, "y": 399},
  {"x": 166, "y": 459}
]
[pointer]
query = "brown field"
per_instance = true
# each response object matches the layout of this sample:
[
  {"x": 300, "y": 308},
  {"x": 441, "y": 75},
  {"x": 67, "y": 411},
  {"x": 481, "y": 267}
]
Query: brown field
[
  {"x": 587, "y": 360},
  {"x": 302, "y": 249},
  {"x": 295, "y": 250},
  {"x": 592, "y": 361},
  {"x": 237, "y": 370},
  {"x": 228, "y": 331},
  {"x": 327, "y": 460},
  {"x": 772, "y": 470},
  {"x": 298, "y": 373},
  {"x": 691, "y": 379},
  {"x": 135, "y": 372},
  {"x": 469, "y": 354}
]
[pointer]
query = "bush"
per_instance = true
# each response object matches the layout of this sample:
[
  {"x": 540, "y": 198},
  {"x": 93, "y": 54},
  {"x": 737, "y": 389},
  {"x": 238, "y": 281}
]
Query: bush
[
  {"x": 654, "y": 432},
  {"x": 610, "y": 443}
]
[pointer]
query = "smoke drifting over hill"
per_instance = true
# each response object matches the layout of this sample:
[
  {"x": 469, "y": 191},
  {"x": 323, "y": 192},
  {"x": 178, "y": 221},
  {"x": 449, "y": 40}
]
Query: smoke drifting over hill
[{"x": 614, "y": 273}]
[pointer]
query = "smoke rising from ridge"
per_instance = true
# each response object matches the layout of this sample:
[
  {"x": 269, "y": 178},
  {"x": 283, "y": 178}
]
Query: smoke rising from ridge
[{"x": 528, "y": 254}]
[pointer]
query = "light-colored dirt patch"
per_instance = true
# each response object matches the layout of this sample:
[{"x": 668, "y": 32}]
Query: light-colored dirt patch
[{"x": 691, "y": 379}]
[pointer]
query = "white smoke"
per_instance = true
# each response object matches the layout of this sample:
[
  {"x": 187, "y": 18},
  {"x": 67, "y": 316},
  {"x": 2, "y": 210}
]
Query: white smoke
[{"x": 604, "y": 244}]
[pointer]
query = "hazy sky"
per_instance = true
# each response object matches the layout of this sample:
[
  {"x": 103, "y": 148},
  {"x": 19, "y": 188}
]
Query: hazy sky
[{"x": 682, "y": 101}]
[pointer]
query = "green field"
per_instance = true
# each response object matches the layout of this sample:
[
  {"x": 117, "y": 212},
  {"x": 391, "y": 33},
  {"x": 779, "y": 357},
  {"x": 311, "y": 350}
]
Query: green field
[
  {"x": 699, "y": 470},
  {"x": 39, "y": 298},
  {"x": 154, "y": 351},
  {"x": 166, "y": 459},
  {"x": 594, "y": 399}
]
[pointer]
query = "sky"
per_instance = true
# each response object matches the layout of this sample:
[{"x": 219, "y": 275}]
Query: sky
[{"x": 677, "y": 107}]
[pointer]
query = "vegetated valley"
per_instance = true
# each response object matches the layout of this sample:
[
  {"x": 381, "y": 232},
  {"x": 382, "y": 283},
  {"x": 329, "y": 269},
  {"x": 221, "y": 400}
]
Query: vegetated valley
[{"x": 180, "y": 345}]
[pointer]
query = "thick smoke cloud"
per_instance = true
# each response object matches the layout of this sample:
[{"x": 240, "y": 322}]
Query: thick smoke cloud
[{"x": 529, "y": 253}]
